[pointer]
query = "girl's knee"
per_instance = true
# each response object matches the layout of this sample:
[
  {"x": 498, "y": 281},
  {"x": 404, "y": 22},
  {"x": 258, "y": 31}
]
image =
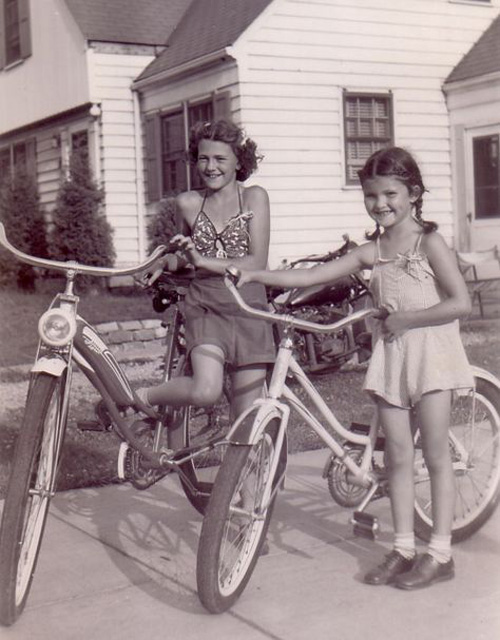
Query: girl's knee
[
  {"x": 399, "y": 458},
  {"x": 205, "y": 395}
]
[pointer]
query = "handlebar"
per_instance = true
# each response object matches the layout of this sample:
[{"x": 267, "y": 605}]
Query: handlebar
[
  {"x": 285, "y": 318},
  {"x": 77, "y": 267},
  {"x": 326, "y": 257}
]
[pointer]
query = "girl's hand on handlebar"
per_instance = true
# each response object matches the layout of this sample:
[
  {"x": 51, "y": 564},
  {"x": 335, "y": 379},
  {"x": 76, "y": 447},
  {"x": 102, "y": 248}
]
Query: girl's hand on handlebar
[
  {"x": 238, "y": 276},
  {"x": 185, "y": 247},
  {"x": 168, "y": 262}
]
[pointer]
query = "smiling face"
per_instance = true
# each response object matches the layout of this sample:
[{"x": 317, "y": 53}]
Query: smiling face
[
  {"x": 217, "y": 164},
  {"x": 388, "y": 200}
]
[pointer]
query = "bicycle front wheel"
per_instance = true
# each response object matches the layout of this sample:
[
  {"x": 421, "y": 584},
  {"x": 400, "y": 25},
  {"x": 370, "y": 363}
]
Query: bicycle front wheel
[
  {"x": 236, "y": 522},
  {"x": 29, "y": 491},
  {"x": 475, "y": 451}
]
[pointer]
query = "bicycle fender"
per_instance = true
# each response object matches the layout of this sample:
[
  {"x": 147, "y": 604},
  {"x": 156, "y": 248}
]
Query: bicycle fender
[
  {"x": 483, "y": 374},
  {"x": 53, "y": 366},
  {"x": 95, "y": 359},
  {"x": 264, "y": 410}
]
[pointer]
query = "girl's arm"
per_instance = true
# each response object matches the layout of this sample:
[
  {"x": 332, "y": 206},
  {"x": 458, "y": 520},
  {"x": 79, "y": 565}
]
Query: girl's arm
[
  {"x": 360, "y": 258},
  {"x": 457, "y": 303}
]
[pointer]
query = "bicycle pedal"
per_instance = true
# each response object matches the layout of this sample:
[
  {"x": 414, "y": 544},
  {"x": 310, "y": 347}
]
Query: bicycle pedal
[
  {"x": 121, "y": 462},
  {"x": 365, "y": 525},
  {"x": 92, "y": 425}
]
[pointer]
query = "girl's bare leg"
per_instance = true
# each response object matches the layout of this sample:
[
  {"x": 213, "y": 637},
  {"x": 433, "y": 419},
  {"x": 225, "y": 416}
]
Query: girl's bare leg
[
  {"x": 202, "y": 389},
  {"x": 247, "y": 384},
  {"x": 398, "y": 457},
  {"x": 434, "y": 418},
  {"x": 399, "y": 451},
  {"x": 436, "y": 565}
]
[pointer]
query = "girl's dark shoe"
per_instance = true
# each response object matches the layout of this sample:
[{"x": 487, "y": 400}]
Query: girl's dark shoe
[
  {"x": 387, "y": 572},
  {"x": 425, "y": 572}
]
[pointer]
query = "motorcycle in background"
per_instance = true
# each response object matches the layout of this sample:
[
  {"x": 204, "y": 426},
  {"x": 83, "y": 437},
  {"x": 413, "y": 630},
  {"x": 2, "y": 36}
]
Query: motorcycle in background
[{"x": 327, "y": 303}]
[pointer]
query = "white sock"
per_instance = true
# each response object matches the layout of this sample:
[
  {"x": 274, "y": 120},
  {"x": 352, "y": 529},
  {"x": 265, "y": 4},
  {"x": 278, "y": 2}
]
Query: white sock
[
  {"x": 404, "y": 543},
  {"x": 440, "y": 548}
]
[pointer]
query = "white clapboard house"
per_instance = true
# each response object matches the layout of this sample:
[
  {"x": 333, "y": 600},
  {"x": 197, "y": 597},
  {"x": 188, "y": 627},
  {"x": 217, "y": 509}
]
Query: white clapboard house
[{"x": 319, "y": 84}]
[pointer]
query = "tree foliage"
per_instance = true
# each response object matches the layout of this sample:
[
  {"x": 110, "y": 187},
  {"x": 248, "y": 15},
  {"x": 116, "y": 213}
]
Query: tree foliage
[
  {"x": 23, "y": 219},
  {"x": 161, "y": 226},
  {"x": 80, "y": 230}
]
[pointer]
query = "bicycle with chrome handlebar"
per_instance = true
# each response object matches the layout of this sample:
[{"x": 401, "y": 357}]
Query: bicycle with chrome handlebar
[
  {"x": 254, "y": 465},
  {"x": 153, "y": 442}
]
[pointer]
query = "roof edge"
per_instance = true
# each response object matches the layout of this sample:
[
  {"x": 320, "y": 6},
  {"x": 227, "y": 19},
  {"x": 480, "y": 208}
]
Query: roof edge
[
  {"x": 470, "y": 82},
  {"x": 79, "y": 110},
  {"x": 191, "y": 65}
]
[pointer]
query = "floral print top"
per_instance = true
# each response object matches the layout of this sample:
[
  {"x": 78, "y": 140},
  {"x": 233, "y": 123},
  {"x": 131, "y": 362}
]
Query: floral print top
[{"x": 233, "y": 241}]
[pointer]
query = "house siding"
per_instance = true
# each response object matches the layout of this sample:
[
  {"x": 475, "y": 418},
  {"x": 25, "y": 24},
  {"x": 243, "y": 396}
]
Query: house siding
[
  {"x": 58, "y": 57},
  {"x": 111, "y": 77},
  {"x": 294, "y": 62}
]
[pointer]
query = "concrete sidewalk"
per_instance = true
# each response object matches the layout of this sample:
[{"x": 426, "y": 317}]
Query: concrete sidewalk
[{"x": 119, "y": 564}]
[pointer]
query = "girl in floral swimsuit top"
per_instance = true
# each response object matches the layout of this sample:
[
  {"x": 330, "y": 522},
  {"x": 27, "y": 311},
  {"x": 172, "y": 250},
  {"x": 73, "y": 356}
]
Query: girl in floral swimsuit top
[
  {"x": 418, "y": 358},
  {"x": 232, "y": 242},
  {"x": 212, "y": 236}
]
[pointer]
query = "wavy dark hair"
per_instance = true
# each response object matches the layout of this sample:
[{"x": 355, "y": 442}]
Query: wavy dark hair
[
  {"x": 399, "y": 163},
  {"x": 226, "y": 131}
]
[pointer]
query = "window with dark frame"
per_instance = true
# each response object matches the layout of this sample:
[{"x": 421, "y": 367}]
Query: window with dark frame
[
  {"x": 80, "y": 142},
  {"x": 16, "y": 40},
  {"x": 12, "y": 33},
  {"x": 177, "y": 174},
  {"x": 485, "y": 152},
  {"x": 19, "y": 157},
  {"x": 5, "y": 164},
  {"x": 166, "y": 136},
  {"x": 368, "y": 127},
  {"x": 173, "y": 153}
]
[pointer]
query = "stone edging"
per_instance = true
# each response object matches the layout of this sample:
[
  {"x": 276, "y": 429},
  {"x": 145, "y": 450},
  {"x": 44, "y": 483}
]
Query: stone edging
[{"x": 132, "y": 334}]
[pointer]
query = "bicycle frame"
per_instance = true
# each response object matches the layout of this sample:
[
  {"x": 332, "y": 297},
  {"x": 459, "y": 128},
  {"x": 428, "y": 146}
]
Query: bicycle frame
[{"x": 286, "y": 365}]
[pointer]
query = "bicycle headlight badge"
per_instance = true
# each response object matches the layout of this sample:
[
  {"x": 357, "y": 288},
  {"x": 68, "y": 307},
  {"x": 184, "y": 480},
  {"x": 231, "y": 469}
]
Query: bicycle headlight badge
[{"x": 57, "y": 327}]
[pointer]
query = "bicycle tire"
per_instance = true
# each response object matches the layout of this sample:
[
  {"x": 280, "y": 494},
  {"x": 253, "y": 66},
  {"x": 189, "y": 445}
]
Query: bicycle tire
[
  {"x": 29, "y": 491},
  {"x": 199, "y": 472},
  {"x": 232, "y": 535},
  {"x": 475, "y": 429},
  {"x": 189, "y": 427}
]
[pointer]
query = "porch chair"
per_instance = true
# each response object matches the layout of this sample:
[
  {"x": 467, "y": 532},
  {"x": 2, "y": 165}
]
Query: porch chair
[{"x": 481, "y": 270}]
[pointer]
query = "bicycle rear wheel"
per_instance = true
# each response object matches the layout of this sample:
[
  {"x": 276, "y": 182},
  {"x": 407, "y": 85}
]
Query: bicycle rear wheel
[
  {"x": 192, "y": 427},
  {"x": 29, "y": 491},
  {"x": 475, "y": 451},
  {"x": 236, "y": 521},
  {"x": 196, "y": 428}
]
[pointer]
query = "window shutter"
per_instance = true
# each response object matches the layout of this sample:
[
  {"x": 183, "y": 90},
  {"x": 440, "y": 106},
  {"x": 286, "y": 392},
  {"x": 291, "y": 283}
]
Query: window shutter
[
  {"x": 153, "y": 155},
  {"x": 24, "y": 28},
  {"x": 2, "y": 36},
  {"x": 31, "y": 168},
  {"x": 222, "y": 105}
]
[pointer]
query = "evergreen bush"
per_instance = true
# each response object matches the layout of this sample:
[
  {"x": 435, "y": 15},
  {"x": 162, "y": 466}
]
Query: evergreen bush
[
  {"x": 23, "y": 219},
  {"x": 80, "y": 230},
  {"x": 162, "y": 226}
]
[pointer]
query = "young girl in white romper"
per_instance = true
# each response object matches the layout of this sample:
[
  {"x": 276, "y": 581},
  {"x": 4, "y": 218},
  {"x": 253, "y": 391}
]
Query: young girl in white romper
[{"x": 418, "y": 357}]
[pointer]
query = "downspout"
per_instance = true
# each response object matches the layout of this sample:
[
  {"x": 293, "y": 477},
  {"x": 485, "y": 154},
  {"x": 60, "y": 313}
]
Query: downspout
[{"x": 139, "y": 176}]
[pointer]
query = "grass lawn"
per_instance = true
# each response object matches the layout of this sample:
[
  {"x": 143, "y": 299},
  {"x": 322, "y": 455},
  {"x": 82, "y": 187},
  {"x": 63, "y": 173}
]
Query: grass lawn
[{"x": 19, "y": 313}]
